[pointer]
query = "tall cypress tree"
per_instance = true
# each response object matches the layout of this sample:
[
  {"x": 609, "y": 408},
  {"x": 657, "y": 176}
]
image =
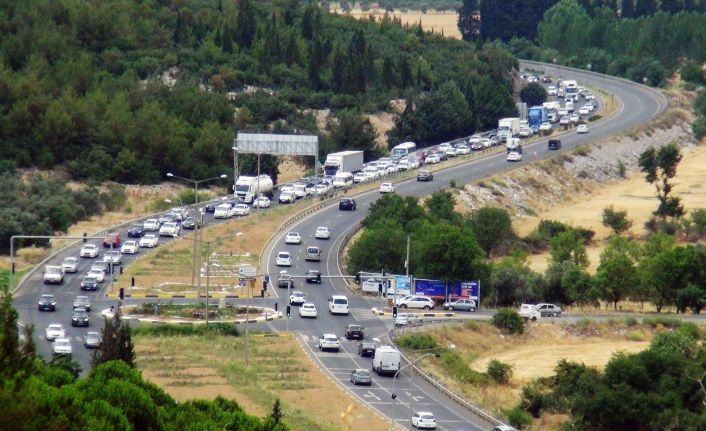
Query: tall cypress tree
[
  {"x": 245, "y": 24},
  {"x": 117, "y": 342}
]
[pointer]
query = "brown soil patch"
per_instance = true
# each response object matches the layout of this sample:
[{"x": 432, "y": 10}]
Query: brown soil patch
[
  {"x": 383, "y": 121},
  {"x": 290, "y": 169},
  {"x": 445, "y": 23}
]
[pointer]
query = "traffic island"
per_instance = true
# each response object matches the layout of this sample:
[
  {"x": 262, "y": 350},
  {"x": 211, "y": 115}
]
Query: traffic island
[
  {"x": 387, "y": 311},
  {"x": 194, "y": 314}
]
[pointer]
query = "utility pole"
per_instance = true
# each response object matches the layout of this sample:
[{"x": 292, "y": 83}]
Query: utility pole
[
  {"x": 208, "y": 276},
  {"x": 247, "y": 317}
]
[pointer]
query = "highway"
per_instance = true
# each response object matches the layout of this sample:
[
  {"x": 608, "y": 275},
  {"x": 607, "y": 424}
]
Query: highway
[{"x": 637, "y": 105}]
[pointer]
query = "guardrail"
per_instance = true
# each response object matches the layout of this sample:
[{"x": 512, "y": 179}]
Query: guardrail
[{"x": 393, "y": 334}]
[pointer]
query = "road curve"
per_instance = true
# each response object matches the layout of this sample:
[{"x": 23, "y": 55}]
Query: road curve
[{"x": 637, "y": 104}]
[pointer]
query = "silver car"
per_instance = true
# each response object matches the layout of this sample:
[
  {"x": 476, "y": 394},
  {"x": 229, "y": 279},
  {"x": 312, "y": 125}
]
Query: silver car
[
  {"x": 361, "y": 377},
  {"x": 313, "y": 253},
  {"x": 70, "y": 264}
]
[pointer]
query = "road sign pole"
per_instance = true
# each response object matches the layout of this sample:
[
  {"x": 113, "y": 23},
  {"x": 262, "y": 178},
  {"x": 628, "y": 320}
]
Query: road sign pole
[{"x": 247, "y": 317}]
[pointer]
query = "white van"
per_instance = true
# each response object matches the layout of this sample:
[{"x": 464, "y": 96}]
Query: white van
[
  {"x": 338, "y": 304},
  {"x": 386, "y": 360},
  {"x": 569, "y": 105},
  {"x": 343, "y": 179}
]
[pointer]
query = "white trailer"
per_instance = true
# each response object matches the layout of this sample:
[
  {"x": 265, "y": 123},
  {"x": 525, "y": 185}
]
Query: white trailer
[
  {"x": 507, "y": 128},
  {"x": 344, "y": 161},
  {"x": 249, "y": 188}
]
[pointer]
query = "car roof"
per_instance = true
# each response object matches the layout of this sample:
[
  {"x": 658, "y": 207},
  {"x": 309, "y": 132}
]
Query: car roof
[{"x": 339, "y": 296}]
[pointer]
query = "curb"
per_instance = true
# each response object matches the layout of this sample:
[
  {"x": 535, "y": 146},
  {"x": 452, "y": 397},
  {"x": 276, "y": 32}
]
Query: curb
[
  {"x": 175, "y": 296},
  {"x": 378, "y": 312}
]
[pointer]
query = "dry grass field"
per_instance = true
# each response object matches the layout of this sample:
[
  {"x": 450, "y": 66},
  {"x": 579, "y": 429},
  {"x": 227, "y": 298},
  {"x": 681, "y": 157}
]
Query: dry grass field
[
  {"x": 445, "y": 22},
  {"x": 193, "y": 367}
]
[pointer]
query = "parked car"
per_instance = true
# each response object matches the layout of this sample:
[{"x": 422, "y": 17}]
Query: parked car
[
  {"x": 54, "y": 331},
  {"x": 46, "y": 303},
  {"x": 284, "y": 259},
  {"x": 354, "y": 332},
  {"x": 70, "y": 264},
  {"x": 322, "y": 232},
  {"x": 387, "y": 188},
  {"x": 151, "y": 225},
  {"x": 329, "y": 342},
  {"x": 136, "y": 231},
  {"x": 424, "y": 420},
  {"x": 149, "y": 240},
  {"x": 82, "y": 302},
  {"x": 308, "y": 310},
  {"x": 347, "y": 204},
  {"x": 460, "y": 305},
  {"x": 112, "y": 240},
  {"x": 61, "y": 347},
  {"x": 79, "y": 317},
  {"x": 361, "y": 377},
  {"x": 313, "y": 276},
  {"x": 89, "y": 250},
  {"x": 293, "y": 238},
  {"x": 92, "y": 340},
  {"x": 366, "y": 348},
  {"x": 89, "y": 283},
  {"x": 130, "y": 247},
  {"x": 297, "y": 298},
  {"x": 425, "y": 176},
  {"x": 415, "y": 301}
]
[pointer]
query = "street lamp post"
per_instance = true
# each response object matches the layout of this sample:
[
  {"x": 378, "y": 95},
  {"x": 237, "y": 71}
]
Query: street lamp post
[{"x": 196, "y": 225}]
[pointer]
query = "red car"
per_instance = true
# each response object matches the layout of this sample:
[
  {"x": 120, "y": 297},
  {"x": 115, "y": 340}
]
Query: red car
[{"x": 113, "y": 239}]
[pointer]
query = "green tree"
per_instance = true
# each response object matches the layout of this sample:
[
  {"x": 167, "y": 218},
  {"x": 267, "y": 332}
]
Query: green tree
[
  {"x": 616, "y": 277},
  {"x": 508, "y": 319},
  {"x": 245, "y": 24},
  {"x": 533, "y": 94},
  {"x": 691, "y": 297},
  {"x": 381, "y": 246},
  {"x": 116, "y": 342},
  {"x": 616, "y": 220},
  {"x": 352, "y": 131},
  {"x": 567, "y": 247},
  {"x": 660, "y": 166},
  {"x": 492, "y": 227},
  {"x": 440, "y": 206},
  {"x": 564, "y": 27},
  {"x": 469, "y": 20}
]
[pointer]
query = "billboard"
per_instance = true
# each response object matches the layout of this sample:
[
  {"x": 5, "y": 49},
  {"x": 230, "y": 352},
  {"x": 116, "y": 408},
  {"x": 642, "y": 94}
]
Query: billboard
[
  {"x": 403, "y": 284},
  {"x": 438, "y": 289}
]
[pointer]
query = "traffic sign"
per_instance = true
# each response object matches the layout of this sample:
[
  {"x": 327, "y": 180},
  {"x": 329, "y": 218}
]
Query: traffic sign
[
  {"x": 247, "y": 271},
  {"x": 242, "y": 281},
  {"x": 251, "y": 282}
]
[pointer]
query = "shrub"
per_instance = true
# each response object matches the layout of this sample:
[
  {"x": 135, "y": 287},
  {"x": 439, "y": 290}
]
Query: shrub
[
  {"x": 519, "y": 418},
  {"x": 417, "y": 341},
  {"x": 631, "y": 321},
  {"x": 499, "y": 371},
  {"x": 508, "y": 319},
  {"x": 471, "y": 324},
  {"x": 667, "y": 322},
  {"x": 533, "y": 400},
  {"x": 636, "y": 336},
  {"x": 454, "y": 365},
  {"x": 690, "y": 329},
  {"x": 595, "y": 117},
  {"x": 171, "y": 330}
]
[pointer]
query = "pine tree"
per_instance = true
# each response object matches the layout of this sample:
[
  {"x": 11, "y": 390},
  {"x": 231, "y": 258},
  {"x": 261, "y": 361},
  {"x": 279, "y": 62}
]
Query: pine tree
[
  {"x": 116, "y": 342},
  {"x": 338, "y": 69},
  {"x": 13, "y": 359},
  {"x": 245, "y": 24},
  {"x": 388, "y": 73},
  {"x": 227, "y": 39},
  {"x": 405, "y": 73},
  {"x": 314, "y": 63},
  {"x": 276, "y": 411}
]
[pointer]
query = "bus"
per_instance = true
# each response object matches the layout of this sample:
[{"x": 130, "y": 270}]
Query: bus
[
  {"x": 403, "y": 149},
  {"x": 536, "y": 116}
]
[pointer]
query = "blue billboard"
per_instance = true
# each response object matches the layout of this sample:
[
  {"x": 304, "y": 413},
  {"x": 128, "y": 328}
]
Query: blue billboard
[
  {"x": 438, "y": 289},
  {"x": 403, "y": 283}
]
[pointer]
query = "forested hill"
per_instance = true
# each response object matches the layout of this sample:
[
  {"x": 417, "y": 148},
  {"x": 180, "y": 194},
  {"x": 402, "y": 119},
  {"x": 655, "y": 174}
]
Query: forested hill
[{"x": 82, "y": 81}]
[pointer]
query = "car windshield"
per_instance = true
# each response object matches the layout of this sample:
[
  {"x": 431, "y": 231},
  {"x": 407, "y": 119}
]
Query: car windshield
[
  {"x": 312, "y": 250},
  {"x": 54, "y": 327},
  {"x": 363, "y": 373},
  {"x": 89, "y": 280},
  {"x": 330, "y": 338},
  {"x": 70, "y": 259},
  {"x": 62, "y": 343},
  {"x": 340, "y": 301},
  {"x": 89, "y": 246},
  {"x": 81, "y": 298},
  {"x": 47, "y": 297},
  {"x": 354, "y": 327},
  {"x": 423, "y": 416},
  {"x": 283, "y": 255},
  {"x": 80, "y": 313}
]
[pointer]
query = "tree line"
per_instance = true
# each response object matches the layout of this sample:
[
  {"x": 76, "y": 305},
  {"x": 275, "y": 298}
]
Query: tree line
[
  {"x": 113, "y": 396},
  {"x": 127, "y": 90}
]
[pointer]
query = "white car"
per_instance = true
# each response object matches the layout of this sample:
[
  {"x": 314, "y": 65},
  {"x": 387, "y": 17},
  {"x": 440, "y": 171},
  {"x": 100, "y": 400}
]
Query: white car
[
  {"x": 338, "y": 304},
  {"x": 424, "y": 420},
  {"x": 293, "y": 238},
  {"x": 114, "y": 257},
  {"x": 432, "y": 159},
  {"x": 322, "y": 232},
  {"x": 359, "y": 177},
  {"x": 387, "y": 188},
  {"x": 514, "y": 156},
  {"x": 403, "y": 165},
  {"x": 284, "y": 259},
  {"x": 151, "y": 225},
  {"x": 308, "y": 310},
  {"x": 286, "y": 197},
  {"x": 297, "y": 298},
  {"x": 415, "y": 301},
  {"x": 96, "y": 273},
  {"x": 551, "y": 90},
  {"x": 585, "y": 110},
  {"x": 525, "y": 132},
  {"x": 485, "y": 142},
  {"x": 53, "y": 274},
  {"x": 464, "y": 149},
  {"x": 223, "y": 211},
  {"x": 323, "y": 188},
  {"x": 262, "y": 202},
  {"x": 149, "y": 240},
  {"x": 169, "y": 229},
  {"x": 241, "y": 210},
  {"x": 574, "y": 118},
  {"x": 54, "y": 331},
  {"x": 545, "y": 127},
  {"x": 450, "y": 152},
  {"x": 129, "y": 247},
  {"x": 89, "y": 250},
  {"x": 70, "y": 264},
  {"x": 582, "y": 128},
  {"x": 287, "y": 188},
  {"x": 329, "y": 342},
  {"x": 589, "y": 96},
  {"x": 61, "y": 346}
]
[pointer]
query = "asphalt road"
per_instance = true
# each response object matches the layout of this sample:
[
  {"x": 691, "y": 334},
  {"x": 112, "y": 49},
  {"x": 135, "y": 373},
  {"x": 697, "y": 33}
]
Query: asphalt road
[{"x": 639, "y": 104}]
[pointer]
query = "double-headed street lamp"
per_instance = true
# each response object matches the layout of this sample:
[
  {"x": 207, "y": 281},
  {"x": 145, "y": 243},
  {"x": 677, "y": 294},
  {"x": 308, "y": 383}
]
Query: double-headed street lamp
[{"x": 196, "y": 225}]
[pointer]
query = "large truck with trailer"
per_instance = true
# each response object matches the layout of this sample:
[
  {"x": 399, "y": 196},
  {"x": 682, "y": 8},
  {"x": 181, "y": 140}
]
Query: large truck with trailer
[
  {"x": 344, "y": 161},
  {"x": 249, "y": 188},
  {"x": 536, "y": 116},
  {"x": 507, "y": 128}
]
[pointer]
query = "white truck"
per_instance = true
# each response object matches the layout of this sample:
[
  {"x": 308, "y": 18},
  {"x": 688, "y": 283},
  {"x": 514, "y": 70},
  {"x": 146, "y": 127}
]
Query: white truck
[
  {"x": 386, "y": 360},
  {"x": 512, "y": 144},
  {"x": 344, "y": 161},
  {"x": 249, "y": 188},
  {"x": 53, "y": 274},
  {"x": 507, "y": 128}
]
